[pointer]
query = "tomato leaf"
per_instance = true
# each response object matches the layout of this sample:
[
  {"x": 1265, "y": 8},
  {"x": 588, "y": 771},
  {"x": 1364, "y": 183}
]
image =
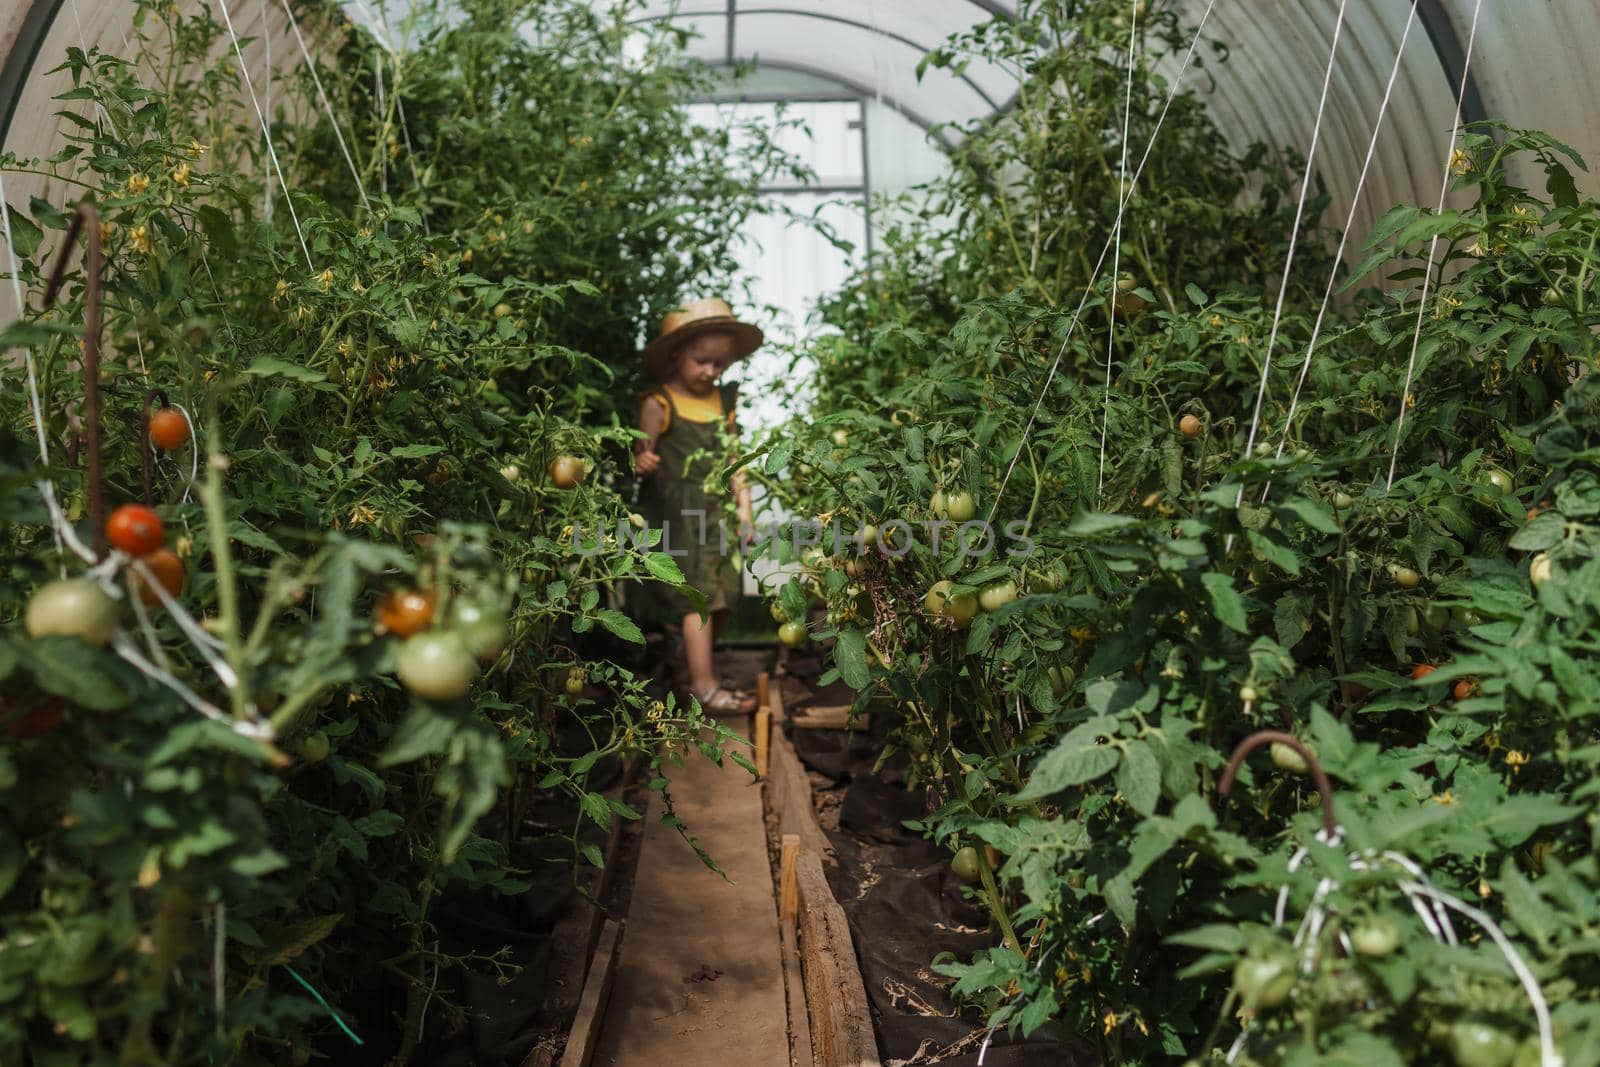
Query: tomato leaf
[
  {"x": 621, "y": 625},
  {"x": 1225, "y": 601},
  {"x": 1072, "y": 762},
  {"x": 272, "y": 367},
  {"x": 93, "y": 679},
  {"x": 1139, "y": 778}
]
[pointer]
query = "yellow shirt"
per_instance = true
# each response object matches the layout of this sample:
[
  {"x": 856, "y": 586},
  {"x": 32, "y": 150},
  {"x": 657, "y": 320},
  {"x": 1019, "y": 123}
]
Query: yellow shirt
[{"x": 700, "y": 409}]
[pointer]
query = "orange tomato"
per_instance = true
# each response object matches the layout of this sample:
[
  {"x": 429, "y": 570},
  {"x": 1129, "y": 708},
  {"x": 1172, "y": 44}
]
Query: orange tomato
[
  {"x": 1465, "y": 689},
  {"x": 136, "y": 529},
  {"x": 1190, "y": 426},
  {"x": 1421, "y": 671},
  {"x": 405, "y": 612},
  {"x": 168, "y": 569},
  {"x": 169, "y": 429}
]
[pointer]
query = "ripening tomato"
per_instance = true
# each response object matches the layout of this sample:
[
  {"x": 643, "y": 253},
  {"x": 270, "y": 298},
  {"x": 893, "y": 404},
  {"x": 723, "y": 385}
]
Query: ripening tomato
[
  {"x": 566, "y": 471},
  {"x": 1405, "y": 577},
  {"x": 168, "y": 570},
  {"x": 405, "y": 612},
  {"x": 1190, "y": 426},
  {"x": 37, "y": 721},
  {"x": 136, "y": 530},
  {"x": 72, "y": 607},
  {"x": 169, "y": 429}
]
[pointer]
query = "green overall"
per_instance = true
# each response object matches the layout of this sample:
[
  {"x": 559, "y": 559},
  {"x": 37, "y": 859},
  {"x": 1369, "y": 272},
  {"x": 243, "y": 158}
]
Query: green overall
[{"x": 674, "y": 499}]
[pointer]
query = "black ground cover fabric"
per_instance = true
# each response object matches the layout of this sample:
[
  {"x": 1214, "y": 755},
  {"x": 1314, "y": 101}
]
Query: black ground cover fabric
[{"x": 905, "y": 906}]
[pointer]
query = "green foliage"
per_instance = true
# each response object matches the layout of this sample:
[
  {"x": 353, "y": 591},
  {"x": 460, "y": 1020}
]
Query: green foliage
[
  {"x": 1186, "y": 589},
  {"x": 375, "y": 410}
]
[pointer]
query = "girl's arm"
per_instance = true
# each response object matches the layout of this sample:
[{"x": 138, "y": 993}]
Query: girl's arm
[{"x": 653, "y": 421}]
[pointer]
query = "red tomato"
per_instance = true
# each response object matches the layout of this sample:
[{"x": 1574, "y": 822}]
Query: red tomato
[
  {"x": 168, "y": 569},
  {"x": 1421, "y": 671},
  {"x": 40, "y": 720},
  {"x": 405, "y": 612},
  {"x": 136, "y": 530},
  {"x": 1465, "y": 689},
  {"x": 169, "y": 430}
]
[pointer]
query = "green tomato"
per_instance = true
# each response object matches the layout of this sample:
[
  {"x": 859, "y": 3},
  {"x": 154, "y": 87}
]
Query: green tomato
[
  {"x": 997, "y": 596},
  {"x": 1375, "y": 938},
  {"x": 1405, "y": 577},
  {"x": 959, "y": 608},
  {"x": 775, "y": 609},
  {"x": 1436, "y": 617},
  {"x": 841, "y": 438},
  {"x": 72, "y": 607},
  {"x": 315, "y": 746},
  {"x": 1466, "y": 618},
  {"x": 961, "y": 506},
  {"x": 1497, "y": 477},
  {"x": 1539, "y": 569},
  {"x": 483, "y": 629},
  {"x": 792, "y": 634},
  {"x": 1343, "y": 500},
  {"x": 869, "y": 534},
  {"x": 1413, "y": 621},
  {"x": 1263, "y": 983},
  {"x": 1288, "y": 758},
  {"x": 965, "y": 864},
  {"x": 577, "y": 679},
  {"x": 1061, "y": 679},
  {"x": 436, "y": 665},
  {"x": 1475, "y": 1042},
  {"x": 939, "y": 505}
]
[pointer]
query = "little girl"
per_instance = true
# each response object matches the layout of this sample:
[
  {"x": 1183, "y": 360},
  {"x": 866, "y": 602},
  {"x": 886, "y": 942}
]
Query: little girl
[{"x": 681, "y": 421}]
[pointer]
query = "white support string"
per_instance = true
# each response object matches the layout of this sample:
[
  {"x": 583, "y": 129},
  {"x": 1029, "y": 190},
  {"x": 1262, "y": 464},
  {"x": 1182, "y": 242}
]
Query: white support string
[
  {"x": 327, "y": 105},
  {"x": 1055, "y": 364},
  {"x": 1433, "y": 246},
  {"x": 266, "y": 42},
  {"x": 1344, "y": 238},
  {"x": 1123, "y": 194},
  {"x": 272, "y": 152},
  {"x": 1294, "y": 240}
]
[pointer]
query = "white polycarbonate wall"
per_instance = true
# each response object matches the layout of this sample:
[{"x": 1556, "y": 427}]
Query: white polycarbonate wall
[{"x": 1530, "y": 65}]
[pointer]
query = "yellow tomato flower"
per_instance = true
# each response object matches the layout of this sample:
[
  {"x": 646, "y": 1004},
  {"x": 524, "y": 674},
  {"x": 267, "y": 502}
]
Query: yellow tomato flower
[
  {"x": 138, "y": 183},
  {"x": 139, "y": 237},
  {"x": 180, "y": 174}
]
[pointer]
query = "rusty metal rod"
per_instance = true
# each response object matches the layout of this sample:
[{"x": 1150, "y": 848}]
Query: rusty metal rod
[
  {"x": 1318, "y": 775},
  {"x": 88, "y": 216}
]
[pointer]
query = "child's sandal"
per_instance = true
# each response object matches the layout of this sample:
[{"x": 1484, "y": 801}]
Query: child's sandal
[{"x": 720, "y": 701}]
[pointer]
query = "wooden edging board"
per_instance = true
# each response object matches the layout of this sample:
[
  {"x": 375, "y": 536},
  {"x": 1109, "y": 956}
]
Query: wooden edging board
[
  {"x": 837, "y": 1012},
  {"x": 596, "y": 991}
]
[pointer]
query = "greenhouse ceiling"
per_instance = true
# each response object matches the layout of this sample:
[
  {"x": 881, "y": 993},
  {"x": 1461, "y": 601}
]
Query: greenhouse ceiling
[{"x": 1528, "y": 71}]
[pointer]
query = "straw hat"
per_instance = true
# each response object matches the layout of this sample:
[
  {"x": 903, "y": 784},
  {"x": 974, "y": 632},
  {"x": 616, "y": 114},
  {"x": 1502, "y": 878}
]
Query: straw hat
[{"x": 696, "y": 317}]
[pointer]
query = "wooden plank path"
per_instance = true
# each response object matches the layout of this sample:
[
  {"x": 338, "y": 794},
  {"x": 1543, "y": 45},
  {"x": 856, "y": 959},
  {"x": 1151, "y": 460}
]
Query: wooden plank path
[{"x": 700, "y": 980}]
